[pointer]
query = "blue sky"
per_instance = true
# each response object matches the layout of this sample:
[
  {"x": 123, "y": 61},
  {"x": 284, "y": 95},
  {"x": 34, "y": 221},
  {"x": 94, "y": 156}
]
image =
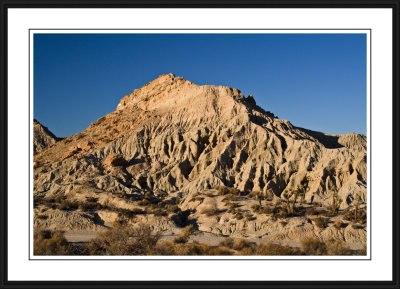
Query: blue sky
[{"x": 316, "y": 81}]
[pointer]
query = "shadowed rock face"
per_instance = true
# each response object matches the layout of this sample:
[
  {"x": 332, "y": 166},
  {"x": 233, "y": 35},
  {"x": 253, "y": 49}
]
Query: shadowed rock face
[
  {"x": 173, "y": 135},
  {"x": 42, "y": 137}
]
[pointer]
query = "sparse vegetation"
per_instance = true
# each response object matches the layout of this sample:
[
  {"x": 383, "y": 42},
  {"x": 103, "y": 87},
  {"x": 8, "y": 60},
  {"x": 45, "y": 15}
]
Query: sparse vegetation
[
  {"x": 46, "y": 242},
  {"x": 241, "y": 244},
  {"x": 227, "y": 242},
  {"x": 313, "y": 246},
  {"x": 222, "y": 190},
  {"x": 123, "y": 240},
  {"x": 210, "y": 209},
  {"x": 321, "y": 222},
  {"x": 333, "y": 208},
  {"x": 185, "y": 234}
]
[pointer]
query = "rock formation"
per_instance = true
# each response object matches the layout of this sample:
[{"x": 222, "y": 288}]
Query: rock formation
[
  {"x": 42, "y": 137},
  {"x": 173, "y": 137}
]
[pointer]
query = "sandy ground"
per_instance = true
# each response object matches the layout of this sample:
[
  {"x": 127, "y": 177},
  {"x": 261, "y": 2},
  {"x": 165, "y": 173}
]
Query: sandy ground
[
  {"x": 203, "y": 237},
  {"x": 79, "y": 236}
]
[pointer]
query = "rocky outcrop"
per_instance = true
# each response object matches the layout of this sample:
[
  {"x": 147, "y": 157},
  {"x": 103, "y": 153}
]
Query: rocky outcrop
[
  {"x": 172, "y": 136},
  {"x": 42, "y": 137}
]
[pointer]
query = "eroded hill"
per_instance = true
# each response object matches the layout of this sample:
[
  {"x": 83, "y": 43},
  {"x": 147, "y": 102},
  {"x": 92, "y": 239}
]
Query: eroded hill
[{"x": 173, "y": 141}]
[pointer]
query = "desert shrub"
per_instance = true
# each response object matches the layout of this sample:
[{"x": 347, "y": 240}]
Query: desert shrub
[
  {"x": 227, "y": 242},
  {"x": 223, "y": 190},
  {"x": 129, "y": 214},
  {"x": 230, "y": 197},
  {"x": 210, "y": 209},
  {"x": 172, "y": 208},
  {"x": 246, "y": 251},
  {"x": 86, "y": 206},
  {"x": 159, "y": 212},
  {"x": 68, "y": 205},
  {"x": 37, "y": 200},
  {"x": 356, "y": 215},
  {"x": 339, "y": 225},
  {"x": 196, "y": 198},
  {"x": 185, "y": 234},
  {"x": 170, "y": 248},
  {"x": 137, "y": 211},
  {"x": 50, "y": 243},
  {"x": 313, "y": 246},
  {"x": 148, "y": 195},
  {"x": 274, "y": 249},
  {"x": 123, "y": 240},
  {"x": 245, "y": 248},
  {"x": 42, "y": 217},
  {"x": 279, "y": 212},
  {"x": 144, "y": 203},
  {"x": 256, "y": 208},
  {"x": 356, "y": 226},
  {"x": 337, "y": 247},
  {"x": 321, "y": 222},
  {"x": 241, "y": 243},
  {"x": 312, "y": 212}
]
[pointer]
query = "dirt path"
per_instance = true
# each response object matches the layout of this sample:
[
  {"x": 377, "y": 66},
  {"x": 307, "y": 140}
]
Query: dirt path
[{"x": 79, "y": 236}]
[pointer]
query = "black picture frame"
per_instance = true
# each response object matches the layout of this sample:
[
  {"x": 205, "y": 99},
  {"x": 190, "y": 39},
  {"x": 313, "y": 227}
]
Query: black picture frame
[{"x": 61, "y": 4}]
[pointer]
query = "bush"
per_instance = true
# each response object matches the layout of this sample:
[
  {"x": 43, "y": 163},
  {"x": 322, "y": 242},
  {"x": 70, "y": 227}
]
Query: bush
[
  {"x": 230, "y": 197},
  {"x": 42, "y": 217},
  {"x": 337, "y": 247},
  {"x": 86, "y": 206},
  {"x": 312, "y": 212},
  {"x": 50, "y": 243},
  {"x": 185, "y": 234},
  {"x": 241, "y": 244},
  {"x": 312, "y": 246},
  {"x": 356, "y": 215},
  {"x": 123, "y": 240},
  {"x": 129, "y": 214},
  {"x": 274, "y": 249},
  {"x": 222, "y": 190},
  {"x": 227, "y": 242},
  {"x": 159, "y": 212},
  {"x": 210, "y": 209},
  {"x": 68, "y": 205},
  {"x": 169, "y": 248},
  {"x": 256, "y": 208},
  {"x": 172, "y": 208},
  {"x": 279, "y": 212},
  {"x": 321, "y": 222}
]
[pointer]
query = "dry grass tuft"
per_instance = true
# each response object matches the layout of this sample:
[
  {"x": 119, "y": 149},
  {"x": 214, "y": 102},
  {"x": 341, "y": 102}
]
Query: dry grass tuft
[
  {"x": 313, "y": 246},
  {"x": 50, "y": 243},
  {"x": 123, "y": 240}
]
